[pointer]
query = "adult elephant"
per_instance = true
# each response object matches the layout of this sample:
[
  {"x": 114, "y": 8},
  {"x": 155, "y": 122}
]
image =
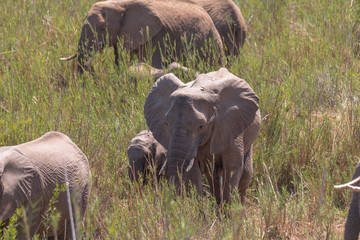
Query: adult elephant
[
  {"x": 352, "y": 226},
  {"x": 229, "y": 22},
  {"x": 29, "y": 174},
  {"x": 173, "y": 28},
  {"x": 213, "y": 119}
]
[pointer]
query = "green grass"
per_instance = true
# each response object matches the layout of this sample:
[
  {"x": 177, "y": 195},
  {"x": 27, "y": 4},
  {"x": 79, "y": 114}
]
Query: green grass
[{"x": 301, "y": 58}]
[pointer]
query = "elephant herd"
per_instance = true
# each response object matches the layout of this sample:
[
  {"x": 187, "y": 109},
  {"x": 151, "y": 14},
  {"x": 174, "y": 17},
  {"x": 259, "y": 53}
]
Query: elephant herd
[
  {"x": 203, "y": 127},
  {"x": 173, "y": 27}
]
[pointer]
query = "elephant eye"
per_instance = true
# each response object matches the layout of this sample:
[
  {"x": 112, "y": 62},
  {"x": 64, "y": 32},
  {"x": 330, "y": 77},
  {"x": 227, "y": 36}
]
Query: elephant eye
[{"x": 201, "y": 126}]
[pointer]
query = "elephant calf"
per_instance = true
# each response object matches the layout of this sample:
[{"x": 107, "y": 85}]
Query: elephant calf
[
  {"x": 29, "y": 174},
  {"x": 144, "y": 151},
  {"x": 207, "y": 126}
]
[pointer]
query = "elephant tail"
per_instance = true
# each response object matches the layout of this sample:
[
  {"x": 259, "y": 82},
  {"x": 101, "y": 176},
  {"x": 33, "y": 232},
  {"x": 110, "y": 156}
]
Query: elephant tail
[{"x": 69, "y": 58}]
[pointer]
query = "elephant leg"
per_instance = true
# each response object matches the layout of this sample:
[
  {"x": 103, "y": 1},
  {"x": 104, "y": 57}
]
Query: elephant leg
[
  {"x": 194, "y": 178},
  {"x": 116, "y": 53},
  {"x": 213, "y": 173},
  {"x": 29, "y": 225},
  {"x": 233, "y": 168},
  {"x": 219, "y": 184},
  {"x": 353, "y": 222},
  {"x": 246, "y": 176},
  {"x": 164, "y": 49},
  {"x": 66, "y": 233}
]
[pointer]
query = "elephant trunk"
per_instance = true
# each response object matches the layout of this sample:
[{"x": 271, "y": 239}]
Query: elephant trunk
[
  {"x": 352, "y": 226},
  {"x": 240, "y": 36},
  {"x": 179, "y": 158},
  {"x": 87, "y": 44}
]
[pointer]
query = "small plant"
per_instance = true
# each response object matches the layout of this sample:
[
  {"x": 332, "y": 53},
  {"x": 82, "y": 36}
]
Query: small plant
[
  {"x": 8, "y": 230},
  {"x": 51, "y": 216}
]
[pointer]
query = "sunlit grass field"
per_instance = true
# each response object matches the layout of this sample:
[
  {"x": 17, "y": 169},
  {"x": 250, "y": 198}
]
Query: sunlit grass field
[{"x": 302, "y": 59}]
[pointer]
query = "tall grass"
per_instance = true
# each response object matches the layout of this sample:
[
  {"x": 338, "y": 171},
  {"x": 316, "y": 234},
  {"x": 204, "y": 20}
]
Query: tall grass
[{"x": 300, "y": 58}]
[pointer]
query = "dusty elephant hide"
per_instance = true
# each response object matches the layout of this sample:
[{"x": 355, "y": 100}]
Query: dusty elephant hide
[
  {"x": 29, "y": 174},
  {"x": 228, "y": 20}
]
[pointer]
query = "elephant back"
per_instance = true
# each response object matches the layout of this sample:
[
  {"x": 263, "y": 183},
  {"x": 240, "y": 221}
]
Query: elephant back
[
  {"x": 185, "y": 20},
  {"x": 58, "y": 160}
]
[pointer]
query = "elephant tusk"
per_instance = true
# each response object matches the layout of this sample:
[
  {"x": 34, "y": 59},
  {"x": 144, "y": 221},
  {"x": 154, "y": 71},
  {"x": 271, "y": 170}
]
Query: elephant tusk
[
  {"x": 163, "y": 167},
  {"x": 349, "y": 185},
  {"x": 190, "y": 165},
  {"x": 69, "y": 58}
]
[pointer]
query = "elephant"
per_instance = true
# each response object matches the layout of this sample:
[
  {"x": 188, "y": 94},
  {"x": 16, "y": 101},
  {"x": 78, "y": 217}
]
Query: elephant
[
  {"x": 352, "y": 225},
  {"x": 144, "y": 151},
  {"x": 29, "y": 173},
  {"x": 228, "y": 20},
  {"x": 173, "y": 28},
  {"x": 208, "y": 127}
]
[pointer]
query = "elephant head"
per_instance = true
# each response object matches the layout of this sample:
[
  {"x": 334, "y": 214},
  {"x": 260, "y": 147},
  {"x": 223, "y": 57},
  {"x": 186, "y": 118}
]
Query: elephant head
[
  {"x": 211, "y": 111},
  {"x": 110, "y": 21},
  {"x": 143, "y": 151},
  {"x": 17, "y": 178}
]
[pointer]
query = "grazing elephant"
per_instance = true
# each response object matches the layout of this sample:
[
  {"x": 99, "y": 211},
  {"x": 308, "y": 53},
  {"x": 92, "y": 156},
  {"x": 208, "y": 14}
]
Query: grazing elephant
[
  {"x": 137, "y": 23},
  {"x": 352, "y": 226},
  {"x": 29, "y": 174},
  {"x": 207, "y": 126},
  {"x": 229, "y": 22},
  {"x": 144, "y": 151}
]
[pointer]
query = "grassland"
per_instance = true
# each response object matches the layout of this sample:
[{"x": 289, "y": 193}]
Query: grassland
[{"x": 301, "y": 59}]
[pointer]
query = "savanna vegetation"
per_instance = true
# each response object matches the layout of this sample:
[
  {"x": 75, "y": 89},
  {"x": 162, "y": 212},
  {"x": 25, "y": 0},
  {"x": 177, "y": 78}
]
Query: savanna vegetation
[{"x": 302, "y": 59}]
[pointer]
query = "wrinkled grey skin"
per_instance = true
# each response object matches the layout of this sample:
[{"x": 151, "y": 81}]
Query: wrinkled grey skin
[
  {"x": 144, "y": 151},
  {"x": 228, "y": 21},
  {"x": 29, "y": 173},
  {"x": 137, "y": 23},
  {"x": 216, "y": 118},
  {"x": 352, "y": 226}
]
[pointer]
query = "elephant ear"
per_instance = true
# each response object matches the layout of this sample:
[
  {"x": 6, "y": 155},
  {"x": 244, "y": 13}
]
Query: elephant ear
[
  {"x": 235, "y": 110},
  {"x": 139, "y": 24},
  {"x": 157, "y": 104},
  {"x": 17, "y": 176}
]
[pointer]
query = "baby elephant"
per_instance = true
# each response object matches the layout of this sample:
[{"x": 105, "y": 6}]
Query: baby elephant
[
  {"x": 145, "y": 151},
  {"x": 29, "y": 174}
]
